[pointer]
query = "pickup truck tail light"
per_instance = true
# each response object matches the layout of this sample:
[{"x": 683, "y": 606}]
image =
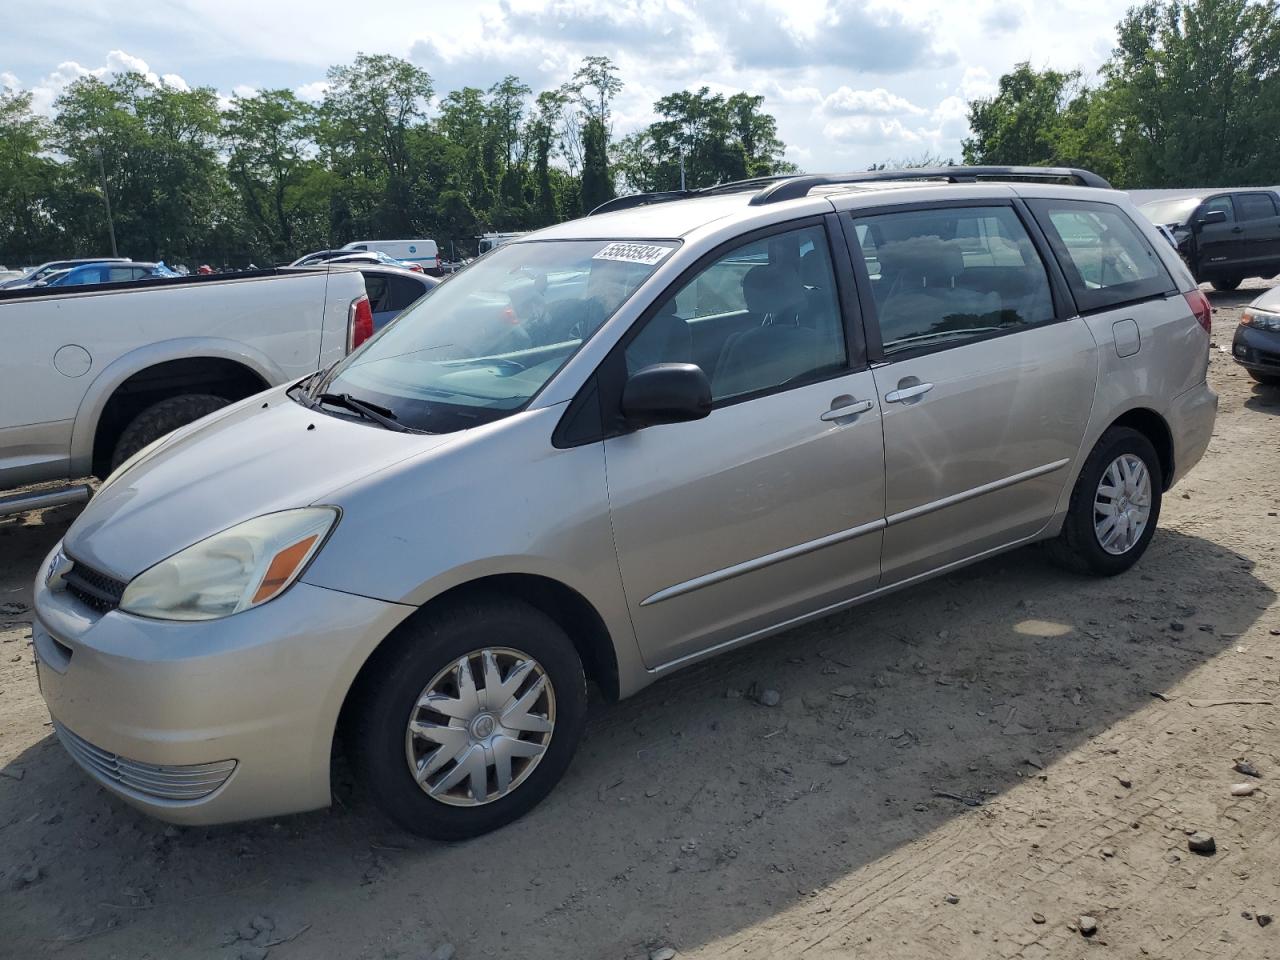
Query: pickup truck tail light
[
  {"x": 1201, "y": 307},
  {"x": 359, "y": 322}
]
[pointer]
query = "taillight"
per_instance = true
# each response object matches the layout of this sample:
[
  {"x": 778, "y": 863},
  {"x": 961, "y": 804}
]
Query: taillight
[
  {"x": 1201, "y": 307},
  {"x": 359, "y": 322}
]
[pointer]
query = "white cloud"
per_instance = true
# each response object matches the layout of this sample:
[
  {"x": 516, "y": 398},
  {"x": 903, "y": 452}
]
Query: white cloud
[
  {"x": 847, "y": 102},
  {"x": 313, "y": 92},
  {"x": 977, "y": 82},
  {"x": 45, "y": 91}
]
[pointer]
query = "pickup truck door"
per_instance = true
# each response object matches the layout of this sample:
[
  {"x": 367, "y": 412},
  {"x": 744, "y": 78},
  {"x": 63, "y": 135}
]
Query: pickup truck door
[
  {"x": 1217, "y": 244},
  {"x": 1260, "y": 230}
]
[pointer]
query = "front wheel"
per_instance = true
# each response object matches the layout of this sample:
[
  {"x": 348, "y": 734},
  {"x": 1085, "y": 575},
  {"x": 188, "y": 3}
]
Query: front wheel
[
  {"x": 468, "y": 717},
  {"x": 1114, "y": 506},
  {"x": 1227, "y": 284},
  {"x": 1269, "y": 379},
  {"x": 163, "y": 418}
]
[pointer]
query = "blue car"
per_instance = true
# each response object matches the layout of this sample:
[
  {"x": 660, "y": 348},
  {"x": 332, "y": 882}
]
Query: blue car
[{"x": 91, "y": 273}]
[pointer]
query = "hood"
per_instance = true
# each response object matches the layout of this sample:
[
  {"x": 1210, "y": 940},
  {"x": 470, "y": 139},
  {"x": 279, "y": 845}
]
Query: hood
[
  {"x": 1269, "y": 300},
  {"x": 260, "y": 456}
]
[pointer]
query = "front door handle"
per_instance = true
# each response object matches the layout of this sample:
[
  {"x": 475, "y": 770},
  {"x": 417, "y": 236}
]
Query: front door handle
[
  {"x": 851, "y": 409},
  {"x": 1237, "y": 229},
  {"x": 904, "y": 394}
]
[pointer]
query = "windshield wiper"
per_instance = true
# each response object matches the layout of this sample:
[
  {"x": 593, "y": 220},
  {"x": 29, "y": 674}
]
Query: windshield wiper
[{"x": 370, "y": 411}]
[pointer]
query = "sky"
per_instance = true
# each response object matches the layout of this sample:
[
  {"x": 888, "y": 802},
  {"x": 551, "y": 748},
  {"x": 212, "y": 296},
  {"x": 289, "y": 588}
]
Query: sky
[{"x": 850, "y": 82}]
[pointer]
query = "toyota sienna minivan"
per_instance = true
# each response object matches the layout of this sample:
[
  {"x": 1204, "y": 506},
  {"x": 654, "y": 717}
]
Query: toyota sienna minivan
[{"x": 605, "y": 451}]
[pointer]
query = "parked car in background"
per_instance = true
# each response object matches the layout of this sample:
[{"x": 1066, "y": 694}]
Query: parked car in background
[
  {"x": 92, "y": 273},
  {"x": 36, "y": 274},
  {"x": 91, "y": 375},
  {"x": 609, "y": 450},
  {"x": 1256, "y": 345},
  {"x": 347, "y": 256},
  {"x": 424, "y": 253},
  {"x": 393, "y": 290},
  {"x": 1225, "y": 236},
  {"x": 7, "y": 274}
]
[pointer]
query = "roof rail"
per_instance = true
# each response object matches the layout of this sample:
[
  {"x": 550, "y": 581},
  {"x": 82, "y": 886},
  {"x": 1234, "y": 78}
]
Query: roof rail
[
  {"x": 662, "y": 196},
  {"x": 792, "y": 188}
]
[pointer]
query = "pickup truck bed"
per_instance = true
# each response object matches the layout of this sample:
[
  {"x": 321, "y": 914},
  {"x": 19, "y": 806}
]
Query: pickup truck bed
[{"x": 89, "y": 375}]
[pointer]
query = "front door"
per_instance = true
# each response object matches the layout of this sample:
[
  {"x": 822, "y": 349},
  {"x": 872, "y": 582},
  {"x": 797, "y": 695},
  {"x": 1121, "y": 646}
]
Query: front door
[
  {"x": 986, "y": 386},
  {"x": 1260, "y": 241},
  {"x": 1218, "y": 246},
  {"x": 772, "y": 506}
]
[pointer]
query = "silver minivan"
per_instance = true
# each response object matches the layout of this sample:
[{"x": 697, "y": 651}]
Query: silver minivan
[{"x": 605, "y": 451}]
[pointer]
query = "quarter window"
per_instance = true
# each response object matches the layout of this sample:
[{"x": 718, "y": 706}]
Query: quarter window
[
  {"x": 1255, "y": 206},
  {"x": 1105, "y": 257},
  {"x": 764, "y": 316},
  {"x": 951, "y": 275}
]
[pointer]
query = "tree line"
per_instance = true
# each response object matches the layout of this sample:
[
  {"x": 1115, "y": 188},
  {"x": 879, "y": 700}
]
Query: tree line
[
  {"x": 268, "y": 176},
  {"x": 1189, "y": 97}
]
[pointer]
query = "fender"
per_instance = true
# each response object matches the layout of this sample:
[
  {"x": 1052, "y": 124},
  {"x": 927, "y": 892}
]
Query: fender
[{"x": 135, "y": 361}]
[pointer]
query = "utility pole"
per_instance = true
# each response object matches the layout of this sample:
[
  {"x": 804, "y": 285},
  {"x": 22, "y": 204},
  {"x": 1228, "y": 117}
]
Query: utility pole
[
  {"x": 682, "y": 169},
  {"x": 106, "y": 199}
]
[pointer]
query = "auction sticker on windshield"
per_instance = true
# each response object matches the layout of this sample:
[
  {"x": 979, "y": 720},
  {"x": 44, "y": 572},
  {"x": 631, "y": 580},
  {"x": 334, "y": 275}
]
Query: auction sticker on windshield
[{"x": 646, "y": 253}]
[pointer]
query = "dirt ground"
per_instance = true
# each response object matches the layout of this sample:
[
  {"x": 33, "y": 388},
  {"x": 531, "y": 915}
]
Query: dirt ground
[{"x": 960, "y": 770}]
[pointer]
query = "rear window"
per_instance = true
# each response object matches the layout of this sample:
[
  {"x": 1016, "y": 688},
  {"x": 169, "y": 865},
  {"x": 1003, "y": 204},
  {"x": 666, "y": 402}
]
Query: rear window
[{"x": 1106, "y": 258}]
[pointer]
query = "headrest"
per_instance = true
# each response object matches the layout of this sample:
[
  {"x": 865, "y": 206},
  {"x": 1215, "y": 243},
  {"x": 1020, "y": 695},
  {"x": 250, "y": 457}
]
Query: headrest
[
  {"x": 773, "y": 289},
  {"x": 927, "y": 261}
]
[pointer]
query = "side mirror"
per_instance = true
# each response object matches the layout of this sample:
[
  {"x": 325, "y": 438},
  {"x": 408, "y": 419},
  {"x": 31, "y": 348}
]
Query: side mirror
[
  {"x": 666, "y": 393},
  {"x": 1213, "y": 216}
]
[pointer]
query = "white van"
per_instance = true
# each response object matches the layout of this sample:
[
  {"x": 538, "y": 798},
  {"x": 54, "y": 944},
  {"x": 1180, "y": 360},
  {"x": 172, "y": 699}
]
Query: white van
[{"x": 424, "y": 252}]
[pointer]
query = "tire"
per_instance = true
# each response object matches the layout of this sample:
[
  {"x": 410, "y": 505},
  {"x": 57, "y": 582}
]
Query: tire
[
  {"x": 381, "y": 747},
  {"x": 1270, "y": 379},
  {"x": 1227, "y": 284},
  {"x": 1078, "y": 547},
  {"x": 161, "y": 418}
]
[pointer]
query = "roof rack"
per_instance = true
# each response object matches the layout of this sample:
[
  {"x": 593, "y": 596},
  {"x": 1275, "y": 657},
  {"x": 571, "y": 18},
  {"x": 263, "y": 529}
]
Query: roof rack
[
  {"x": 662, "y": 196},
  {"x": 794, "y": 187},
  {"x": 791, "y": 186}
]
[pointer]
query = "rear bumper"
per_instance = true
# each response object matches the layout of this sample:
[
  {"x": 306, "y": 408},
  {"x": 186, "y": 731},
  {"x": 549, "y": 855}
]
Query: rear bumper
[
  {"x": 1191, "y": 418},
  {"x": 213, "y": 721}
]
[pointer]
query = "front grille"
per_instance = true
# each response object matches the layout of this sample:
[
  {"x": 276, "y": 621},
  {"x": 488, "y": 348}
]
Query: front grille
[
  {"x": 188, "y": 782},
  {"x": 93, "y": 588}
]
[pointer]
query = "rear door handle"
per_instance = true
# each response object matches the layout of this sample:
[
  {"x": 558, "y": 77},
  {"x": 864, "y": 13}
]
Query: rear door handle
[
  {"x": 848, "y": 410},
  {"x": 907, "y": 393},
  {"x": 1237, "y": 229}
]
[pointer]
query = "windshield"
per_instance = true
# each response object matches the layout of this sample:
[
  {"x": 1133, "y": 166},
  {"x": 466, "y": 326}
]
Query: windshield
[
  {"x": 480, "y": 345},
  {"x": 1174, "y": 211}
]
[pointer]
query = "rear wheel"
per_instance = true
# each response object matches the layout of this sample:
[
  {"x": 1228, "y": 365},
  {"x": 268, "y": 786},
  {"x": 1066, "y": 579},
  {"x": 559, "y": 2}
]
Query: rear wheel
[
  {"x": 1114, "y": 507},
  {"x": 1227, "y": 284},
  {"x": 1270, "y": 379},
  {"x": 469, "y": 718},
  {"x": 161, "y": 418}
]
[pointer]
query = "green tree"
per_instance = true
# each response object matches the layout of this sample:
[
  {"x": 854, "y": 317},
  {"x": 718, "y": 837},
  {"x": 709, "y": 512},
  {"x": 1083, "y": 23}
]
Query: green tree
[
  {"x": 27, "y": 228},
  {"x": 1196, "y": 92},
  {"x": 270, "y": 162},
  {"x": 597, "y": 183}
]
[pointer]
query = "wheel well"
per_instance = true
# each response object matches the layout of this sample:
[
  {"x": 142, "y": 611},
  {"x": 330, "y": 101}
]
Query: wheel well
[
  {"x": 223, "y": 378},
  {"x": 1151, "y": 425}
]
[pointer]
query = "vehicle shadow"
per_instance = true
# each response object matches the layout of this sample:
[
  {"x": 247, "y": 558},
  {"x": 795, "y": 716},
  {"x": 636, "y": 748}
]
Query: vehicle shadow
[
  {"x": 692, "y": 812},
  {"x": 1265, "y": 398}
]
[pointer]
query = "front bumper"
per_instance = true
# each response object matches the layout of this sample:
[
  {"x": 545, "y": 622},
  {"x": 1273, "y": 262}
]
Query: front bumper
[
  {"x": 211, "y": 721},
  {"x": 1256, "y": 349}
]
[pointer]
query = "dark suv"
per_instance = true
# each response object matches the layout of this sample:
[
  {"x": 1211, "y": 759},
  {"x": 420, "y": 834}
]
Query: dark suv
[{"x": 1224, "y": 235}]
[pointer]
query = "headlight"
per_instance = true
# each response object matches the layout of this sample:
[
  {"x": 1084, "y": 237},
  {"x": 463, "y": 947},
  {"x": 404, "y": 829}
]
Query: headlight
[
  {"x": 239, "y": 568},
  {"x": 1261, "y": 319}
]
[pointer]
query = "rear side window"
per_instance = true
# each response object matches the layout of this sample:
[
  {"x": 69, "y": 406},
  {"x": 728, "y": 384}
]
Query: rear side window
[
  {"x": 951, "y": 275},
  {"x": 375, "y": 285},
  {"x": 1106, "y": 259},
  {"x": 1255, "y": 206},
  {"x": 401, "y": 292}
]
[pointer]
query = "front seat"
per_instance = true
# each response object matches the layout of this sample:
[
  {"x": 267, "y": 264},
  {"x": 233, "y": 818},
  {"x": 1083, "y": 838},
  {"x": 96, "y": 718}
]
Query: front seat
[
  {"x": 777, "y": 351},
  {"x": 664, "y": 339}
]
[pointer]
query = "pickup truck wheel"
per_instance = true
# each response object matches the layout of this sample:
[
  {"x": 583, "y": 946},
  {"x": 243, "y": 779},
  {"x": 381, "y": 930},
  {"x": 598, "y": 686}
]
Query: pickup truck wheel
[
  {"x": 1114, "y": 506},
  {"x": 1270, "y": 379},
  {"x": 161, "y": 418},
  {"x": 468, "y": 718},
  {"x": 1226, "y": 285}
]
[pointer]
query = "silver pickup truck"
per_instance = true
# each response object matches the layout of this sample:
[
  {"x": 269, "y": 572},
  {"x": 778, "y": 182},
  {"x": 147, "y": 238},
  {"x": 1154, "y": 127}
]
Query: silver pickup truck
[{"x": 89, "y": 376}]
